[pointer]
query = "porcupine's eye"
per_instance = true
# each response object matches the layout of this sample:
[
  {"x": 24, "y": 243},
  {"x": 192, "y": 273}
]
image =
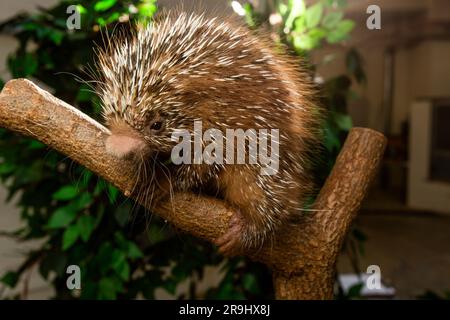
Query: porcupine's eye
[{"x": 156, "y": 125}]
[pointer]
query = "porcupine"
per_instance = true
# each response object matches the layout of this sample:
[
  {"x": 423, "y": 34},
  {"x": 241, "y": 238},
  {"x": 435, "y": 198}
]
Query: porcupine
[{"x": 185, "y": 67}]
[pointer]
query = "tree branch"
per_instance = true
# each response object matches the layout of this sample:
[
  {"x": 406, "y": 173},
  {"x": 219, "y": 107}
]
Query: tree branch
[{"x": 302, "y": 256}]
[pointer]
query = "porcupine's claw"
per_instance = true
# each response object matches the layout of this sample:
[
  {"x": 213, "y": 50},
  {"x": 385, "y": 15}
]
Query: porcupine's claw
[{"x": 230, "y": 242}]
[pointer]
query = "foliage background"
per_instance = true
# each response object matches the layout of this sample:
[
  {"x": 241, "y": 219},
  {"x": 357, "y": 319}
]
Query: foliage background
[{"x": 123, "y": 251}]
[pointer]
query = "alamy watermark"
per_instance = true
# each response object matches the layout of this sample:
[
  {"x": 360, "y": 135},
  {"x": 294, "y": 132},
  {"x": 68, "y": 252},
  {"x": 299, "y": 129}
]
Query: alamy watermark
[
  {"x": 373, "y": 281},
  {"x": 73, "y": 281},
  {"x": 73, "y": 22},
  {"x": 374, "y": 20},
  {"x": 216, "y": 147}
]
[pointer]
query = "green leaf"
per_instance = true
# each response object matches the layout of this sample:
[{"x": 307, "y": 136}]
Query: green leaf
[
  {"x": 156, "y": 234},
  {"x": 303, "y": 42},
  {"x": 249, "y": 14},
  {"x": 313, "y": 15},
  {"x": 133, "y": 251},
  {"x": 83, "y": 201},
  {"x": 283, "y": 8},
  {"x": 332, "y": 19},
  {"x": 113, "y": 192},
  {"x": 171, "y": 285},
  {"x": 66, "y": 193},
  {"x": 85, "y": 178},
  {"x": 341, "y": 32},
  {"x": 7, "y": 167},
  {"x": 99, "y": 187},
  {"x": 103, "y": 257},
  {"x": 113, "y": 18},
  {"x": 23, "y": 66},
  {"x": 121, "y": 241},
  {"x": 297, "y": 8},
  {"x": 62, "y": 217},
  {"x": 56, "y": 36},
  {"x": 120, "y": 264},
  {"x": 250, "y": 283},
  {"x": 332, "y": 141},
  {"x": 355, "y": 291},
  {"x": 81, "y": 9},
  {"x": 100, "y": 213},
  {"x": 300, "y": 24},
  {"x": 343, "y": 121},
  {"x": 86, "y": 225},
  {"x": 70, "y": 236},
  {"x": 123, "y": 270},
  {"x": 227, "y": 289},
  {"x": 104, "y": 5},
  {"x": 346, "y": 26},
  {"x": 30, "y": 26},
  {"x": 34, "y": 144},
  {"x": 10, "y": 279},
  {"x": 101, "y": 21},
  {"x": 108, "y": 288},
  {"x": 180, "y": 272},
  {"x": 46, "y": 60},
  {"x": 122, "y": 214},
  {"x": 317, "y": 34},
  {"x": 147, "y": 9},
  {"x": 84, "y": 94}
]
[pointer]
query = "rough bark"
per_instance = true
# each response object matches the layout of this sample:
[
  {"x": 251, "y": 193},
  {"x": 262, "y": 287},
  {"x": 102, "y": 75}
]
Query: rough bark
[{"x": 302, "y": 256}]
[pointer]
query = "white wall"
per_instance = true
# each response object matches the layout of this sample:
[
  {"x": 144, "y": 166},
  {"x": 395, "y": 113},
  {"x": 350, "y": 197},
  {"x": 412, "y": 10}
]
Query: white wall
[
  {"x": 421, "y": 50},
  {"x": 422, "y": 71}
]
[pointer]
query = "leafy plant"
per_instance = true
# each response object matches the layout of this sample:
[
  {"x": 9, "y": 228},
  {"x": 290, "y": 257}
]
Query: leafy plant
[
  {"x": 80, "y": 218},
  {"x": 304, "y": 29}
]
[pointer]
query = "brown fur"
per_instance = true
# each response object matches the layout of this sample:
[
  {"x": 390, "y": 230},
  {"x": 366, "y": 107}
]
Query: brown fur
[{"x": 261, "y": 89}]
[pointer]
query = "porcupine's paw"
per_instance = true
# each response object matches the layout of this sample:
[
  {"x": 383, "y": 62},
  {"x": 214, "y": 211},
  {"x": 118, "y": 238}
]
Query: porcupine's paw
[{"x": 230, "y": 243}]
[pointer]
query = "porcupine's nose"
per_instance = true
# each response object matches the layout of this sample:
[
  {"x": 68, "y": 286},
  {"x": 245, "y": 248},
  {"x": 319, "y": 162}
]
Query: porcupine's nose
[
  {"x": 122, "y": 146},
  {"x": 124, "y": 141}
]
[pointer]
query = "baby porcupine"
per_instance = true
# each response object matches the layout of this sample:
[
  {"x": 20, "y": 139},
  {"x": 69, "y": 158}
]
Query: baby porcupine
[{"x": 183, "y": 68}]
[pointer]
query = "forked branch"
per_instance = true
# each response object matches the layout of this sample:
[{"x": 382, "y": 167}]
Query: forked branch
[{"x": 302, "y": 256}]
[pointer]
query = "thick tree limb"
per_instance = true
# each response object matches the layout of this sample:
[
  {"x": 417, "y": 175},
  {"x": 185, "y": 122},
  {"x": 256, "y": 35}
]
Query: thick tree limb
[{"x": 302, "y": 256}]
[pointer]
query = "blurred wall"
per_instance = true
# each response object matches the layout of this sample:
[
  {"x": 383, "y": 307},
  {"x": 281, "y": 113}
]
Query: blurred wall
[
  {"x": 9, "y": 8},
  {"x": 417, "y": 33}
]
